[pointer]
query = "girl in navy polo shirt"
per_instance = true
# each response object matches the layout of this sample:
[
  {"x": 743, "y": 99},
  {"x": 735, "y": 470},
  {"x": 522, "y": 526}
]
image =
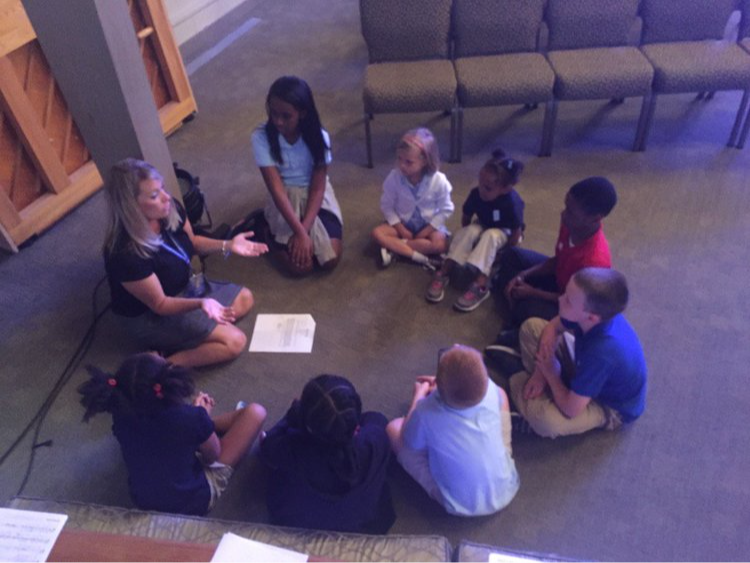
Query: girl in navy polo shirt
[
  {"x": 499, "y": 222},
  {"x": 329, "y": 461},
  {"x": 160, "y": 433}
]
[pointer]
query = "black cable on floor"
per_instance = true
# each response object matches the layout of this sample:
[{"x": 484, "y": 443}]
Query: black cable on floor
[{"x": 70, "y": 368}]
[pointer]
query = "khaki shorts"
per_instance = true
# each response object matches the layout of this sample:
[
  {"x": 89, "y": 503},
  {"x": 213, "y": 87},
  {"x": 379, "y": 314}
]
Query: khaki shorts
[{"x": 218, "y": 476}]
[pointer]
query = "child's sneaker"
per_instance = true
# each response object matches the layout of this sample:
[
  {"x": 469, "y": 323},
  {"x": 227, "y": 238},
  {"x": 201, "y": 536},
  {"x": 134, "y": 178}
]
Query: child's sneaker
[
  {"x": 506, "y": 341},
  {"x": 386, "y": 258},
  {"x": 473, "y": 298},
  {"x": 436, "y": 290}
]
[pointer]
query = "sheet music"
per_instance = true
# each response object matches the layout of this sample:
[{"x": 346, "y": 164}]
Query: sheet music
[{"x": 26, "y": 535}]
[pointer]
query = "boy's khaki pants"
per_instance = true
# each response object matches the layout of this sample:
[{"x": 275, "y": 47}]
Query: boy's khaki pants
[{"x": 541, "y": 413}]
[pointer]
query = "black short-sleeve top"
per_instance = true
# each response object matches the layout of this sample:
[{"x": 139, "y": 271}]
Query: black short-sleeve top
[{"x": 123, "y": 264}]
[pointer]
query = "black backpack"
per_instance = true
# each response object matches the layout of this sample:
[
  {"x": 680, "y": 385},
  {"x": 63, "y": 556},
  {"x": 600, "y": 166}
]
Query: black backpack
[{"x": 194, "y": 200}]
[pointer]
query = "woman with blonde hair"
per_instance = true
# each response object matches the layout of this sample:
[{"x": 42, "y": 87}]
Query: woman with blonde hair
[{"x": 147, "y": 258}]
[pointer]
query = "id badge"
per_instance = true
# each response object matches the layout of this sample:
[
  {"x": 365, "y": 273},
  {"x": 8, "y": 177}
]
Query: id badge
[
  {"x": 197, "y": 285},
  {"x": 496, "y": 215}
]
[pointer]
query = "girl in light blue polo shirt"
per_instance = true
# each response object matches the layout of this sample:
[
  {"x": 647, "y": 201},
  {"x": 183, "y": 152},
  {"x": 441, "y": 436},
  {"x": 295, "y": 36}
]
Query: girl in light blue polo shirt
[{"x": 293, "y": 152}]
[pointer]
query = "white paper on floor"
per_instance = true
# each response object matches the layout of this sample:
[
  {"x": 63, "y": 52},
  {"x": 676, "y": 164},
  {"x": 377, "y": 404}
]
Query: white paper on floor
[{"x": 283, "y": 333}]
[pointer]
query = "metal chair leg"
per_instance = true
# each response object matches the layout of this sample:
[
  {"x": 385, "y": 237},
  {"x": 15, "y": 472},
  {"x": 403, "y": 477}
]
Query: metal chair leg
[
  {"x": 548, "y": 129},
  {"x": 738, "y": 119},
  {"x": 368, "y": 139},
  {"x": 743, "y": 134},
  {"x": 642, "y": 122},
  {"x": 647, "y": 125},
  {"x": 459, "y": 134}
]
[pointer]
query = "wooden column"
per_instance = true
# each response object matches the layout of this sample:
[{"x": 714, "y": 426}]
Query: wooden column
[{"x": 95, "y": 58}]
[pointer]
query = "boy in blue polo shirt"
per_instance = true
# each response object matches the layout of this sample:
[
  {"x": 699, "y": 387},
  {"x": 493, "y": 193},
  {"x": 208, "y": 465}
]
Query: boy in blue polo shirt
[{"x": 587, "y": 365}]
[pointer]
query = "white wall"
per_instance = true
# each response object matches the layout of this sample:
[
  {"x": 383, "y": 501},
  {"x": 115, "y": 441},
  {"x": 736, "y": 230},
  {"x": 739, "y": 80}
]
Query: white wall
[{"x": 188, "y": 17}]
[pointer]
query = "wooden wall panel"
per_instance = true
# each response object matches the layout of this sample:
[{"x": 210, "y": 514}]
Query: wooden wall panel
[{"x": 45, "y": 168}]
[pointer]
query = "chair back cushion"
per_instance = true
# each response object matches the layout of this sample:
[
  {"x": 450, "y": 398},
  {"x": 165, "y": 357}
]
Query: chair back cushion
[
  {"x": 490, "y": 27},
  {"x": 585, "y": 24},
  {"x": 685, "y": 20},
  {"x": 406, "y": 30},
  {"x": 745, "y": 21}
]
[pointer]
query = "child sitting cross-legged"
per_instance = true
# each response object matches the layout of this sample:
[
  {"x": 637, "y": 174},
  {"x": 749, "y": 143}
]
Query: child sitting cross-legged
[
  {"x": 416, "y": 203},
  {"x": 499, "y": 222},
  {"x": 160, "y": 432},
  {"x": 328, "y": 462},
  {"x": 455, "y": 439}
]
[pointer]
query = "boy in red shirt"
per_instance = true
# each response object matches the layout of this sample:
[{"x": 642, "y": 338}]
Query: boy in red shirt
[{"x": 532, "y": 282}]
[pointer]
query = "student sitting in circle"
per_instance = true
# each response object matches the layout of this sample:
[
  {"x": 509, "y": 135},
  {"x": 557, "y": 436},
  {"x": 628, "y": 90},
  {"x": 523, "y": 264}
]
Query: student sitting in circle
[
  {"x": 293, "y": 152},
  {"x": 328, "y": 462},
  {"x": 416, "y": 203},
  {"x": 585, "y": 368},
  {"x": 455, "y": 439},
  {"x": 160, "y": 430}
]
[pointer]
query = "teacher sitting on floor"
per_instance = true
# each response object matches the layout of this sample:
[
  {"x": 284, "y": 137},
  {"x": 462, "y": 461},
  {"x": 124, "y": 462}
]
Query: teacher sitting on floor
[{"x": 147, "y": 257}]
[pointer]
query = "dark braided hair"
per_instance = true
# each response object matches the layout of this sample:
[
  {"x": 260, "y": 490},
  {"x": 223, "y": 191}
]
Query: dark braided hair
[
  {"x": 143, "y": 384},
  {"x": 507, "y": 170},
  {"x": 329, "y": 411},
  {"x": 295, "y": 91}
]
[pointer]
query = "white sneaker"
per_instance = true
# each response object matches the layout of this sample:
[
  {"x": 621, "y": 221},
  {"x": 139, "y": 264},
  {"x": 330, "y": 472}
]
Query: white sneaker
[{"x": 386, "y": 258}]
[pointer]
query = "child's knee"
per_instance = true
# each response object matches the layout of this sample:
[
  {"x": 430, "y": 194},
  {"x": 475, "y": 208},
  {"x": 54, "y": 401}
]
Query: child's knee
[
  {"x": 256, "y": 412},
  {"x": 531, "y": 329},
  {"x": 380, "y": 233},
  {"x": 495, "y": 236}
]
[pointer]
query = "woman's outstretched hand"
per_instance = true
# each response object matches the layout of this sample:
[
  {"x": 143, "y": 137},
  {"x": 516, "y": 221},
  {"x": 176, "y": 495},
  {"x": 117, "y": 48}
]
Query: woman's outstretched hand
[{"x": 241, "y": 245}]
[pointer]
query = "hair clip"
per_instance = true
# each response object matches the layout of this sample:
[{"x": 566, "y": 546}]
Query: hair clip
[
  {"x": 157, "y": 391},
  {"x": 112, "y": 382}
]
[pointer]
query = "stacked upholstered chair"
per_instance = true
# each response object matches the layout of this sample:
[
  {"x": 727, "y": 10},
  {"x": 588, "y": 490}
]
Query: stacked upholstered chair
[
  {"x": 591, "y": 57},
  {"x": 495, "y": 44},
  {"x": 410, "y": 68},
  {"x": 684, "y": 41},
  {"x": 744, "y": 42}
]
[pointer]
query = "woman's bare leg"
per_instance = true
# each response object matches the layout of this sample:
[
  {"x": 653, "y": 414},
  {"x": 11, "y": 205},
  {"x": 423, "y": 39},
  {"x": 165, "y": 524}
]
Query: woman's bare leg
[
  {"x": 243, "y": 303},
  {"x": 225, "y": 343}
]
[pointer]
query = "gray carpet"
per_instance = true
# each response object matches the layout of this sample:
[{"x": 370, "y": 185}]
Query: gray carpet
[{"x": 671, "y": 487}]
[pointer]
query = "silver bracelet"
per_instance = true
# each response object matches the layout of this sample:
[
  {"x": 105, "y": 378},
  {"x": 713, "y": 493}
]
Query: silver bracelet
[{"x": 224, "y": 250}]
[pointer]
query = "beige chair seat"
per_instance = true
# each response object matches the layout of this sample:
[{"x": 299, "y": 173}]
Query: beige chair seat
[
  {"x": 496, "y": 80},
  {"x": 406, "y": 87},
  {"x": 605, "y": 72},
  {"x": 696, "y": 66}
]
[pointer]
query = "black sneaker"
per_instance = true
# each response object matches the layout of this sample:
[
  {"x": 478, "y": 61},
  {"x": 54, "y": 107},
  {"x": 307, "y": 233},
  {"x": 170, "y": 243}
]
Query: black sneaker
[
  {"x": 508, "y": 362},
  {"x": 506, "y": 341},
  {"x": 509, "y": 338}
]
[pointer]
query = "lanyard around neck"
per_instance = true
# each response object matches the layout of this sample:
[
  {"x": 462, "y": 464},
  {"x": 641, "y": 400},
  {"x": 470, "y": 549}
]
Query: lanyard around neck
[{"x": 177, "y": 250}]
